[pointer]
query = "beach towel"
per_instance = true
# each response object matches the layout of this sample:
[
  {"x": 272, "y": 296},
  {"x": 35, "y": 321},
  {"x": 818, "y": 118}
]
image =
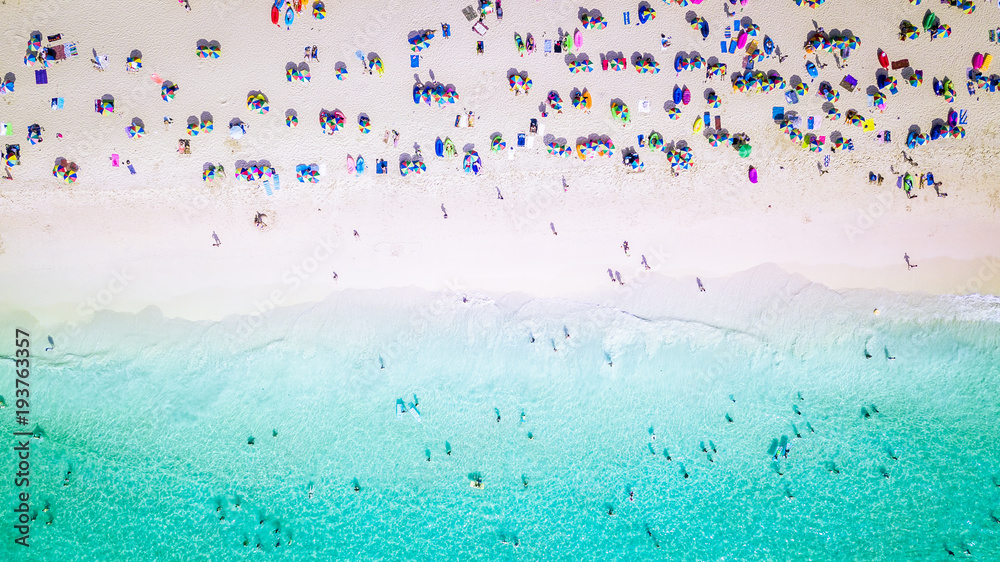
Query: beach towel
[
  {"x": 548, "y": 45},
  {"x": 60, "y": 51},
  {"x": 267, "y": 187},
  {"x": 274, "y": 180},
  {"x": 71, "y": 50},
  {"x": 414, "y": 61},
  {"x": 41, "y": 76},
  {"x": 131, "y": 169},
  {"x": 115, "y": 160},
  {"x": 6, "y": 129}
]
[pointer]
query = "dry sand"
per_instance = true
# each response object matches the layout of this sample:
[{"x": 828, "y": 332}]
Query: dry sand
[{"x": 121, "y": 241}]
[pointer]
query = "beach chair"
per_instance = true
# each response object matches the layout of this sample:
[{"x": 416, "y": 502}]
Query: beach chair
[
  {"x": 470, "y": 13},
  {"x": 480, "y": 28}
]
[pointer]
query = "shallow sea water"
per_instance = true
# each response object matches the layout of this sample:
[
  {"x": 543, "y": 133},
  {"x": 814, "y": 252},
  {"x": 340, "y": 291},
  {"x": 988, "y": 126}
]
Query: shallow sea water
[{"x": 152, "y": 416}]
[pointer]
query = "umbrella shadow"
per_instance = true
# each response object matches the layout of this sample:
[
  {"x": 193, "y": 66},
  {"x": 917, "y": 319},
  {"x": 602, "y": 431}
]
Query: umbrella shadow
[
  {"x": 494, "y": 135},
  {"x": 872, "y": 90},
  {"x": 9, "y": 77},
  {"x": 881, "y": 74},
  {"x": 208, "y": 166},
  {"x": 793, "y": 80},
  {"x": 241, "y": 164},
  {"x": 339, "y": 66},
  {"x": 469, "y": 147},
  {"x": 201, "y": 43},
  {"x": 907, "y": 72},
  {"x": 136, "y": 54},
  {"x": 938, "y": 122},
  {"x": 708, "y": 93},
  {"x": 303, "y": 67},
  {"x": 668, "y": 105},
  {"x": 405, "y": 157},
  {"x": 372, "y": 56},
  {"x": 746, "y": 22},
  {"x": 264, "y": 163},
  {"x": 712, "y": 61},
  {"x": 549, "y": 138},
  {"x": 827, "y": 106},
  {"x": 291, "y": 66},
  {"x": 137, "y": 121},
  {"x": 255, "y": 93},
  {"x": 291, "y": 113},
  {"x": 689, "y": 16},
  {"x": 207, "y": 117},
  {"x": 361, "y": 116},
  {"x": 108, "y": 98},
  {"x": 192, "y": 120},
  {"x": 234, "y": 122},
  {"x": 167, "y": 84}
]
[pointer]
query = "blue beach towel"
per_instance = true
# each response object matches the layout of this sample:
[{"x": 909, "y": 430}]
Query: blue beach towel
[{"x": 267, "y": 187}]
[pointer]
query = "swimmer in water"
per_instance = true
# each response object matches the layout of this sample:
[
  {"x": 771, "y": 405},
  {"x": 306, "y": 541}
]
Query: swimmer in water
[
  {"x": 631, "y": 496},
  {"x": 522, "y": 417},
  {"x": 611, "y": 512}
]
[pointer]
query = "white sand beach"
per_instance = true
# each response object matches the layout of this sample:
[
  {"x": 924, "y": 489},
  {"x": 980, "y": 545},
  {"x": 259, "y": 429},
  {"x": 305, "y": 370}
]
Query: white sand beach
[{"x": 124, "y": 242}]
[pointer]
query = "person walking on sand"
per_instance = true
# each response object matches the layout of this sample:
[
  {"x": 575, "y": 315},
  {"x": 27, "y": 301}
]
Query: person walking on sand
[
  {"x": 644, "y": 263},
  {"x": 909, "y": 265},
  {"x": 499, "y": 195},
  {"x": 552, "y": 225},
  {"x": 625, "y": 247},
  {"x": 356, "y": 235},
  {"x": 443, "y": 210},
  {"x": 700, "y": 286},
  {"x": 217, "y": 241},
  {"x": 220, "y": 170}
]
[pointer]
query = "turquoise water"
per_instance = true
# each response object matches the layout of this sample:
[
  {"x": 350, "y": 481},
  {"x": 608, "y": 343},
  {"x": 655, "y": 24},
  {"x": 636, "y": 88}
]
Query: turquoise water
[{"x": 152, "y": 416}]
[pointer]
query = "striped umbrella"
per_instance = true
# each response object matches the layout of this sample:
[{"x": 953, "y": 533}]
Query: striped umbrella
[
  {"x": 364, "y": 124},
  {"x": 135, "y": 131},
  {"x": 674, "y": 113}
]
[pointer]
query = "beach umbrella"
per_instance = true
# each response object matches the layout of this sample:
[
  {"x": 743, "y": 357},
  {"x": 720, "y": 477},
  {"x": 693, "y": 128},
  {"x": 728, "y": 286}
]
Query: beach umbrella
[
  {"x": 555, "y": 102},
  {"x": 620, "y": 112},
  {"x": 498, "y": 144},
  {"x": 694, "y": 62},
  {"x": 938, "y": 131},
  {"x": 617, "y": 63},
  {"x": 700, "y": 24},
  {"x": 713, "y": 100},
  {"x": 194, "y": 129},
  {"x": 911, "y": 140},
  {"x": 70, "y": 176},
  {"x": 646, "y": 13},
  {"x": 681, "y": 63},
  {"x": 364, "y": 124},
  {"x": 135, "y": 131},
  {"x": 832, "y": 114},
  {"x": 801, "y": 88},
  {"x": 472, "y": 162},
  {"x": 292, "y": 120},
  {"x": 908, "y": 31},
  {"x": 168, "y": 92},
  {"x": 655, "y": 141},
  {"x": 957, "y": 132},
  {"x": 319, "y": 10},
  {"x": 916, "y": 79},
  {"x": 202, "y": 51},
  {"x": 739, "y": 84},
  {"x": 207, "y": 126},
  {"x": 713, "y": 139},
  {"x": 795, "y": 134},
  {"x": 209, "y": 174},
  {"x": 554, "y": 148},
  {"x": 967, "y": 6},
  {"x": 745, "y": 150},
  {"x": 942, "y": 30},
  {"x": 214, "y": 51},
  {"x": 257, "y": 103},
  {"x": 674, "y": 113}
]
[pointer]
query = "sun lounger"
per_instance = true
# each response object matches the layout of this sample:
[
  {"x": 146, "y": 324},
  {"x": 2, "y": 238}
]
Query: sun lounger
[
  {"x": 274, "y": 180},
  {"x": 267, "y": 187},
  {"x": 413, "y": 411},
  {"x": 478, "y": 25}
]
